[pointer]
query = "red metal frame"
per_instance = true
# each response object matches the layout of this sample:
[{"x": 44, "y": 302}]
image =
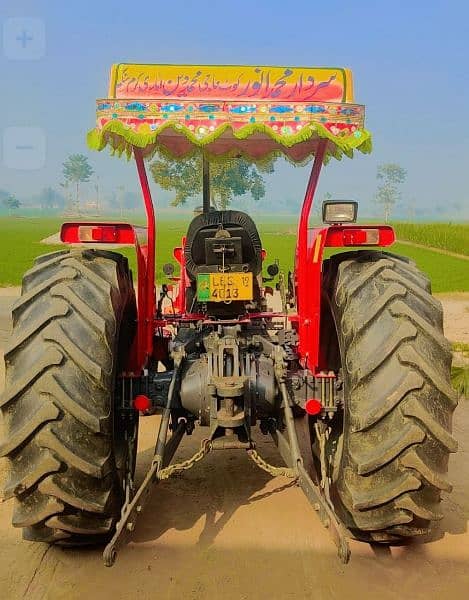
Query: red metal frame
[
  {"x": 308, "y": 269},
  {"x": 308, "y": 273},
  {"x": 146, "y": 273}
]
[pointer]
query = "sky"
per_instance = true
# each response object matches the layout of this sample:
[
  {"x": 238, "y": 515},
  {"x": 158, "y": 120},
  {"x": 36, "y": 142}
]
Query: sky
[{"x": 409, "y": 59}]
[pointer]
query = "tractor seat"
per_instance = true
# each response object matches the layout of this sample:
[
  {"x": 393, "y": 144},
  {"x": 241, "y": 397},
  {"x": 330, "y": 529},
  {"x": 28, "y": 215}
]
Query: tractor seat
[{"x": 230, "y": 233}]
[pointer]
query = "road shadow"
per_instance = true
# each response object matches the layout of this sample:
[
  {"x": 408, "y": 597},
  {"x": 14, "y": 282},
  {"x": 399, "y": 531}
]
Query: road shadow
[{"x": 229, "y": 480}]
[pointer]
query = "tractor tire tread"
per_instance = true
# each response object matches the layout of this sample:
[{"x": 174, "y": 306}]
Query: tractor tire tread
[
  {"x": 56, "y": 407},
  {"x": 397, "y": 422}
]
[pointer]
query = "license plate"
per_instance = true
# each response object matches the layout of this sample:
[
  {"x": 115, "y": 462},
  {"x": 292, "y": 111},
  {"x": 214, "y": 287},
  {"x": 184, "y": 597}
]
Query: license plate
[{"x": 223, "y": 287}]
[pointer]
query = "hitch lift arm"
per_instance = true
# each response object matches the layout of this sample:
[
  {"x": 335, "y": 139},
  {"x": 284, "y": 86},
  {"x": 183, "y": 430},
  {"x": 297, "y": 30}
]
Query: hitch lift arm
[
  {"x": 288, "y": 447},
  {"x": 164, "y": 451}
]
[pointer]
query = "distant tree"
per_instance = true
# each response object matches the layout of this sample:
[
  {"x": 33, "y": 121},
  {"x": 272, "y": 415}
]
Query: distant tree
[
  {"x": 228, "y": 178},
  {"x": 3, "y": 196},
  {"x": 122, "y": 200},
  {"x": 411, "y": 208},
  {"x": 68, "y": 199},
  {"x": 11, "y": 203},
  {"x": 50, "y": 199},
  {"x": 132, "y": 200},
  {"x": 76, "y": 169},
  {"x": 120, "y": 197},
  {"x": 388, "y": 193}
]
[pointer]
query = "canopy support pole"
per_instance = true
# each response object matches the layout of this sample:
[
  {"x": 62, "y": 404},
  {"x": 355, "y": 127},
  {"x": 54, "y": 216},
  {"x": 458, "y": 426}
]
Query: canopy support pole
[
  {"x": 302, "y": 242},
  {"x": 308, "y": 271},
  {"x": 146, "y": 270},
  {"x": 205, "y": 183}
]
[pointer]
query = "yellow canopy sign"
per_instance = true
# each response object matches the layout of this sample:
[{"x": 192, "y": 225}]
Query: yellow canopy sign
[{"x": 231, "y": 82}]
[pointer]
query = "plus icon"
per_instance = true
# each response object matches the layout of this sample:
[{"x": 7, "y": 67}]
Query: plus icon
[{"x": 24, "y": 38}]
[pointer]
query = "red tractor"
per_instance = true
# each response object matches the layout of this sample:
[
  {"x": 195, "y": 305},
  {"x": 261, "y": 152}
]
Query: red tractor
[{"x": 351, "y": 378}]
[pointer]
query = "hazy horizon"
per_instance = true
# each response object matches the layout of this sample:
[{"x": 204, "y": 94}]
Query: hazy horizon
[{"x": 409, "y": 62}]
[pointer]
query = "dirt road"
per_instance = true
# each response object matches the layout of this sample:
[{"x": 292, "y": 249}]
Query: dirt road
[{"x": 225, "y": 529}]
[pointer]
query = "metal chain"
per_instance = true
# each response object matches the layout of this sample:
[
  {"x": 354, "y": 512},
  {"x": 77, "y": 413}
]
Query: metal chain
[
  {"x": 274, "y": 471},
  {"x": 167, "y": 472},
  {"x": 206, "y": 447}
]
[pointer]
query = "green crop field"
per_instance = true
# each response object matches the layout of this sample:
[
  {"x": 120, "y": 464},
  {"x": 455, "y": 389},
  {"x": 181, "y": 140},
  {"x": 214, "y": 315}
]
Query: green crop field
[
  {"x": 20, "y": 243},
  {"x": 447, "y": 236}
]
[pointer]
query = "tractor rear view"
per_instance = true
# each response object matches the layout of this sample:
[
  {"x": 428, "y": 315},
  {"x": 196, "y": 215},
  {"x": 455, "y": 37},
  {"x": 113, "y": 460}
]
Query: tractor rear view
[{"x": 351, "y": 377}]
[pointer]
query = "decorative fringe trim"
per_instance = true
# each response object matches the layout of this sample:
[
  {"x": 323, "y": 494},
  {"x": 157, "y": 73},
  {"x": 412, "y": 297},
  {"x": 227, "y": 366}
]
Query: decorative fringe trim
[{"x": 121, "y": 140}]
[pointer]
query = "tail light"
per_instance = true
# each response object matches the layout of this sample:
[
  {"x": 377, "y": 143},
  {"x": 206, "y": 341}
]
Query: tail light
[
  {"x": 99, "y": 233},
  {"x": 142, "y": 403},
  {"x": 367, "y": 235},
  {"x": 313, "y": 406}
]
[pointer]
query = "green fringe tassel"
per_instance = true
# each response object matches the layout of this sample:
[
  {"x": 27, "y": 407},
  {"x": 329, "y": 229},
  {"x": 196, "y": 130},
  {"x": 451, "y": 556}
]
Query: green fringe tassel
[{"x": 121, "y": 140}]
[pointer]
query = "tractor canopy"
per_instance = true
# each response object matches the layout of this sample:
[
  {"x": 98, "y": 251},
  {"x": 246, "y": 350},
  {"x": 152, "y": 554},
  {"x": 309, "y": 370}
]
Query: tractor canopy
[{"x": 250, "y": 111}]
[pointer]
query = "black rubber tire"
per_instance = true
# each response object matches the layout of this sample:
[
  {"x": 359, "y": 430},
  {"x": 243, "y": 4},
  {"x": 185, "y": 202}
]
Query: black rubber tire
[
  {"x": 72, "y": 324},
  {"x": 392, "y": 452}
]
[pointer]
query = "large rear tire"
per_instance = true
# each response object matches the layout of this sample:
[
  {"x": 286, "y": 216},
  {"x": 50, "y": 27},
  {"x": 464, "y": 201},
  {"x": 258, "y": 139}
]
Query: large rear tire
[
  {"x": 66, "y": 449},
  {"x": 391, "y": 454}
]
